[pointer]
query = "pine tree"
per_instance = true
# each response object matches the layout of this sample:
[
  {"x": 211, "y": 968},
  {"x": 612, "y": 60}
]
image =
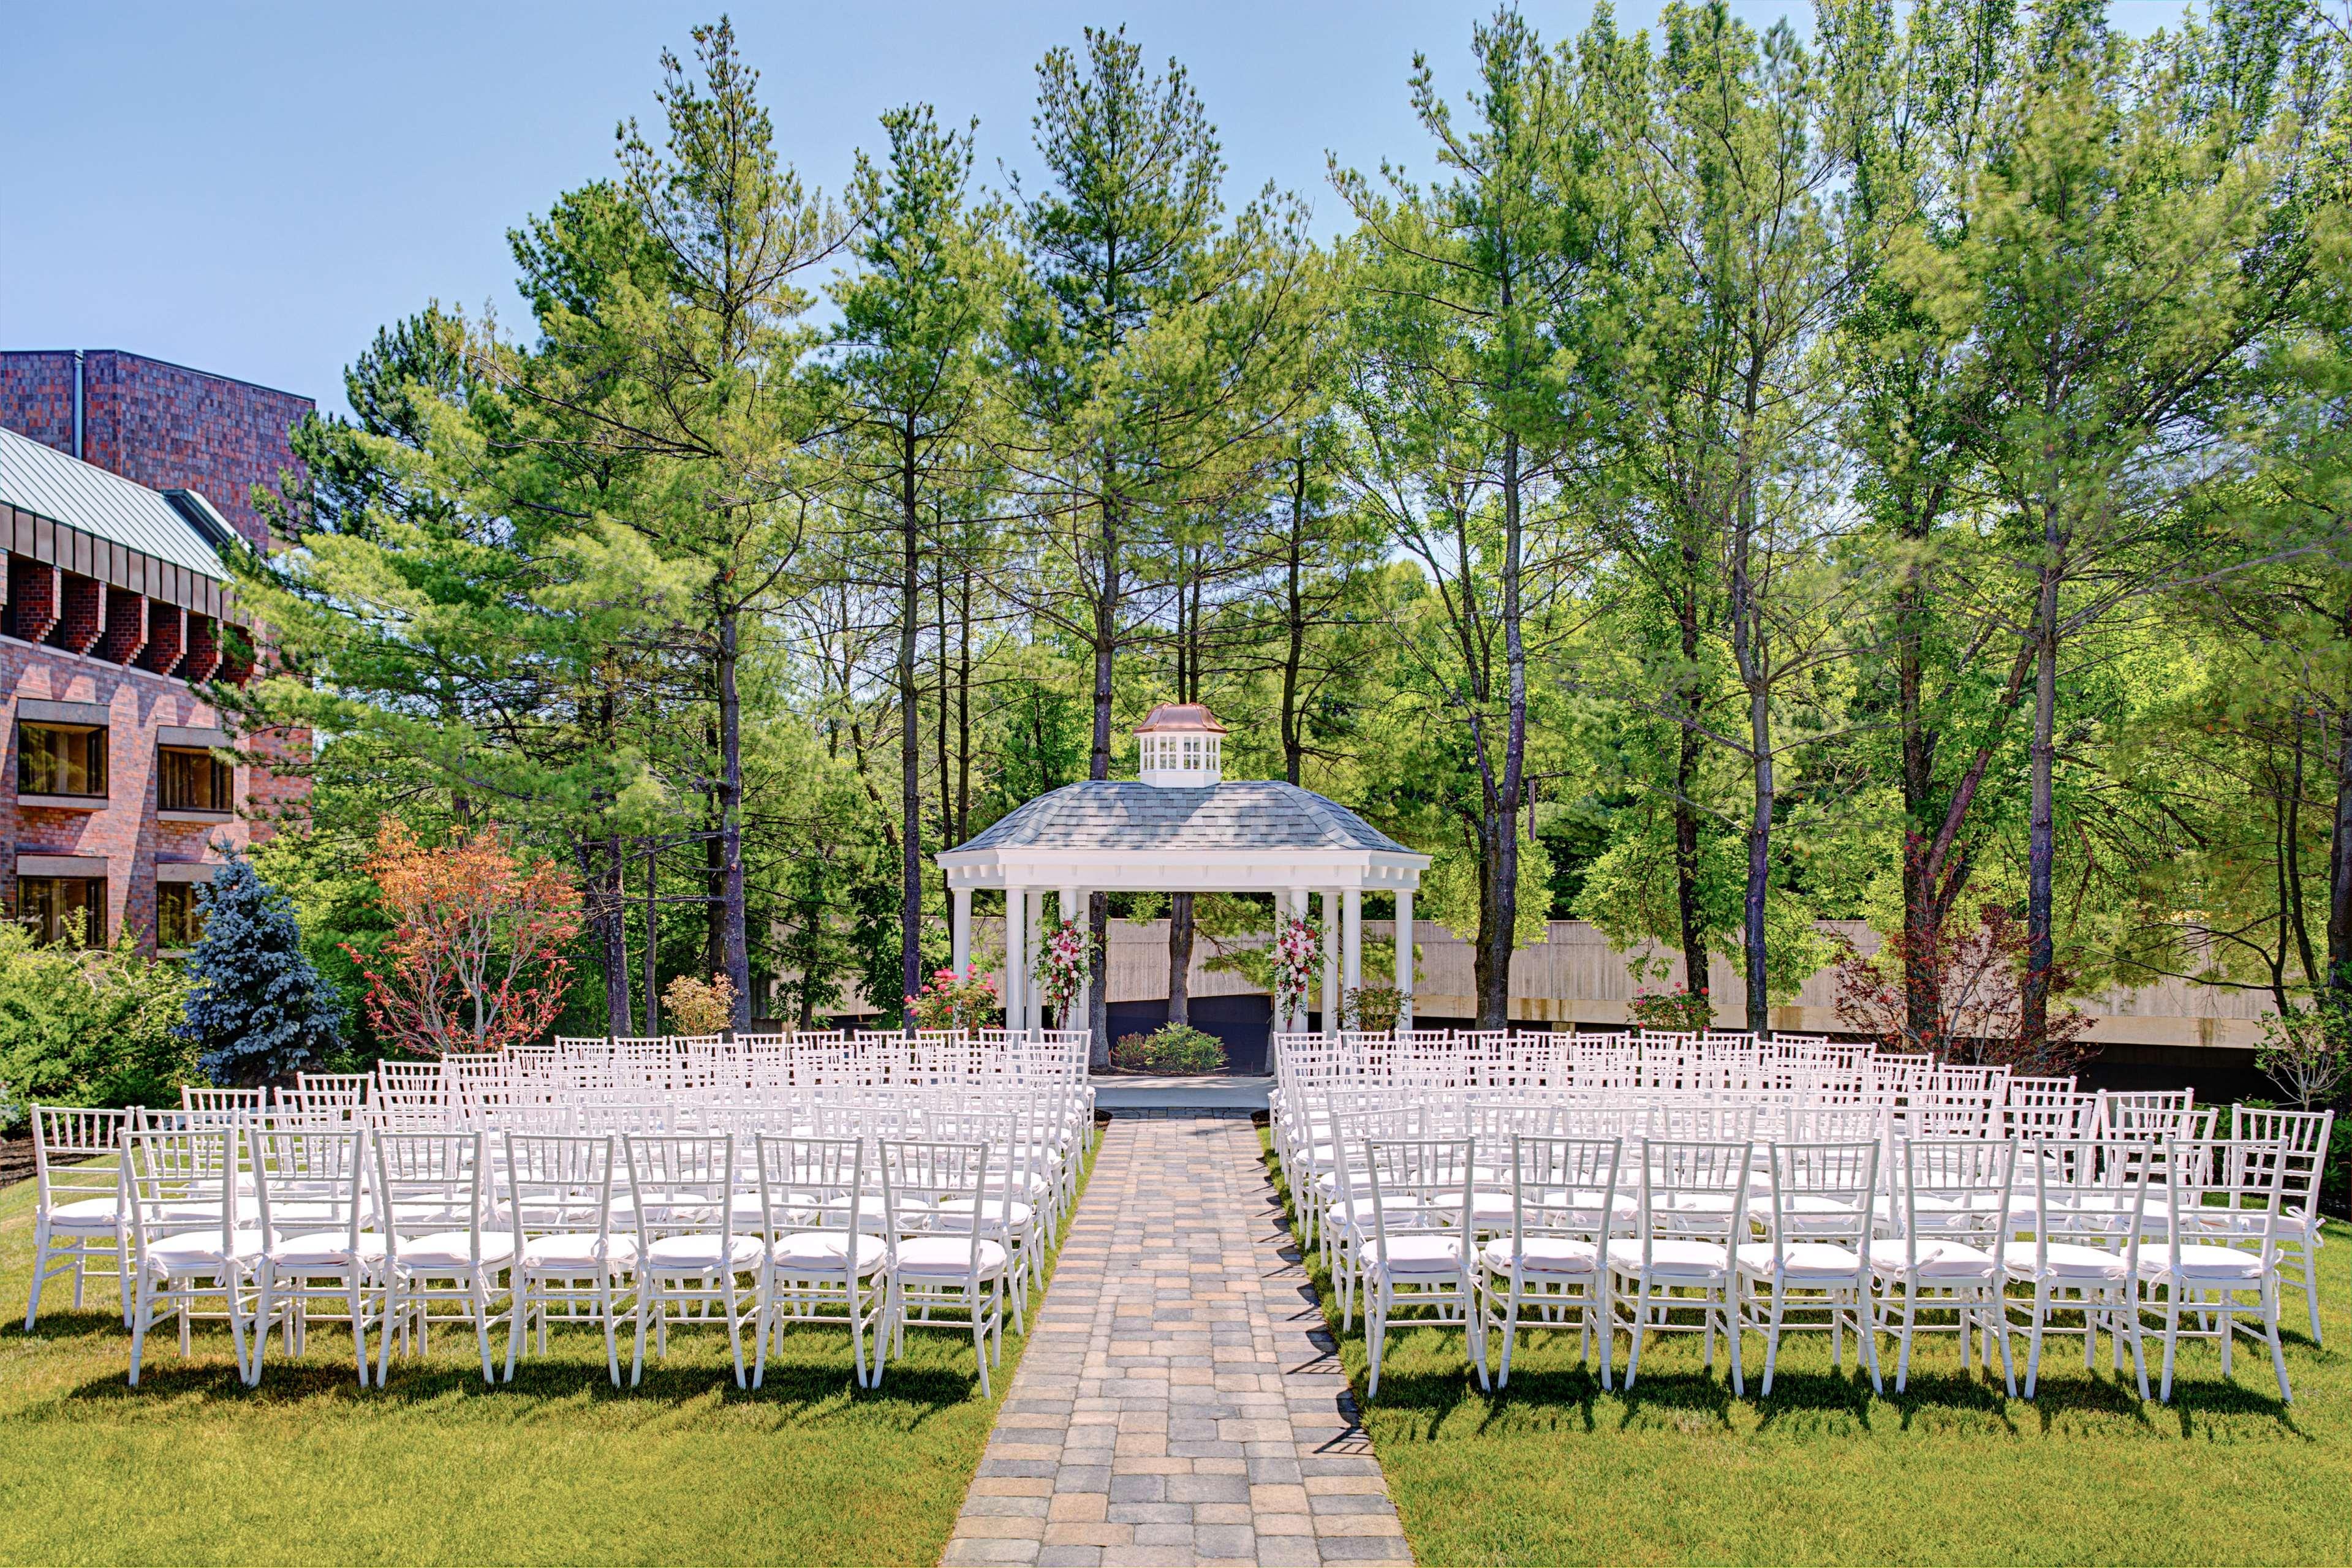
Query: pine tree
[{"x": 258, "y": 1009}]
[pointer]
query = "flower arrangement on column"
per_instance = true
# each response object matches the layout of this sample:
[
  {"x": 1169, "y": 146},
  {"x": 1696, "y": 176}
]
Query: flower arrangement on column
[
  {"x": 1063, "y": 960},
  {"x": 1294, "y": 961},
  {"x": 950, "y": 1000}
]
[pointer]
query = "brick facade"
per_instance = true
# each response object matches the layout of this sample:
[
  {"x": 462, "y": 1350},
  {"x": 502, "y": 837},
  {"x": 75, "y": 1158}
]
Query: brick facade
[
  {"x": 70, "y": 638},
  {"x": 162, "y": 425}
]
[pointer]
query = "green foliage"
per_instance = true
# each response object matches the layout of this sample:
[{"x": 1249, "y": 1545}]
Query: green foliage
[
  {"x": 1172, "y": 1048},
  {"x": 88, "y": 1027}
]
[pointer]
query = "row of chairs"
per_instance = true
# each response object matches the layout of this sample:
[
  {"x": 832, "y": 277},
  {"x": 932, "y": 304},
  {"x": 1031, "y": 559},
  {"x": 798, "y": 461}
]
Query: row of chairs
[
  {"x": 1633, "y": 1238},
  {"x": 269, "y": 1213}
]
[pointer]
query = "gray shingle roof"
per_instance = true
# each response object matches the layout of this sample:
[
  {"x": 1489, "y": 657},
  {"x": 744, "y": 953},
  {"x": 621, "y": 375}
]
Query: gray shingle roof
[
  {"x": 1120, "y": 814},
  {"x": 81, "y": 495}
]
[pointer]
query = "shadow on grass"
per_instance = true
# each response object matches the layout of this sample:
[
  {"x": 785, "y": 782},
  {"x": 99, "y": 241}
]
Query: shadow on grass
[{"x": 925, "y": 1390}]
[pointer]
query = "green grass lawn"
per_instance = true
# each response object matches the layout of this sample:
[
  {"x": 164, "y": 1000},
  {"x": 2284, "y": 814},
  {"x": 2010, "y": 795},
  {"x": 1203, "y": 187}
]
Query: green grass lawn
[
  {"x": 557, "y": 1467},
  {"x": 1555, "y": 1471}
]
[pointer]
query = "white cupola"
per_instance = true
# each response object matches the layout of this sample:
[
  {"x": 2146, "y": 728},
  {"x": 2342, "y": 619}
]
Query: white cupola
[{"x": 1178, "y": 744}]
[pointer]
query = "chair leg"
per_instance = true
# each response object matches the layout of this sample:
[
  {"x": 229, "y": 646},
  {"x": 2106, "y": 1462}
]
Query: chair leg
[
  {"x": 482, "y": 1322},
  {"x": 142, "y": 1315},
  {"x": 612, "y": 1328},
  {"x": 517, "y": 1320},
  {"x": 2270, "y": 1332},
  {"x": 646, "y": 1291},
  {"x": 2311, "y": 1278}
]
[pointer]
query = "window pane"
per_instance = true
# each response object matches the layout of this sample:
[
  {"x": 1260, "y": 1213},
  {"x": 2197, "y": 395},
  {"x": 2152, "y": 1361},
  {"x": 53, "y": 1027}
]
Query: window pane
[
  {"x": 179, "y": 920},
  {"x": 61, "y": 759},
  {"x": 193, "y": 781},
  {"x": 58, "y": 907}
]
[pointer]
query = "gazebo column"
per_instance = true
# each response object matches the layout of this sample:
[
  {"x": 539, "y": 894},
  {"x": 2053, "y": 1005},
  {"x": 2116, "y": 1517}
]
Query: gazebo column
[
  {"x": 1331, "y": 999},
  {"x": 1074, "y": 909},
  {"x": 959, "y": 929},
  {"x": 1351, "y": 940},
  {"x": 1404, "y": 956},
  {"x": 1036, "y": 945},
  {"x": 1016, "y": 942}
]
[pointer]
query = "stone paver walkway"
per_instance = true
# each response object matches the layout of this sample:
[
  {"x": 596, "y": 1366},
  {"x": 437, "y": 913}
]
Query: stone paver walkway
[{"x": 1180, "y": 1401}]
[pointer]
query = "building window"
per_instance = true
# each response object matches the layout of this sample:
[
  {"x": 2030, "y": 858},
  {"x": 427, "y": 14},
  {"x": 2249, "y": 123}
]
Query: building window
[
  {"x": 195, "y": 781},
  {"x": 61, "y": 909},
  {"x": 61, "y": 759},
  {"x": 179, "y": 918}
]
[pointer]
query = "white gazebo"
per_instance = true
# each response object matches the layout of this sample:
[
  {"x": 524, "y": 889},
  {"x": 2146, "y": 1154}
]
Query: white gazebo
[{"x": 1181, "y": 828}]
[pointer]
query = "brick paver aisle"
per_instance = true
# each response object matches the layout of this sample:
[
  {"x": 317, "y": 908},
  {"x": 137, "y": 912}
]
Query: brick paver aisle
[{"x": 1179, "y": 1402}]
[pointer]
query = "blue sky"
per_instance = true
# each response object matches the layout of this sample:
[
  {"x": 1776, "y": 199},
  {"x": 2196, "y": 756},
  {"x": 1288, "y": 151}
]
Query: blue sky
[{"x": 253, "y": 188}]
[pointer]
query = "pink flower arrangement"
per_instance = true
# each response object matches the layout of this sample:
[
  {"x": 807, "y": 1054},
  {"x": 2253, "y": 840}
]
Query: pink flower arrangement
[
  {"x": 1062, "y": 964},
  {"x": 1293, "y": 967}
]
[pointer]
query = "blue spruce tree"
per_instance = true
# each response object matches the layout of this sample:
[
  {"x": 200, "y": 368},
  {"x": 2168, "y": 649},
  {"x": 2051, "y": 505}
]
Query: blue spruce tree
[{"x": 257, "y": 1008}]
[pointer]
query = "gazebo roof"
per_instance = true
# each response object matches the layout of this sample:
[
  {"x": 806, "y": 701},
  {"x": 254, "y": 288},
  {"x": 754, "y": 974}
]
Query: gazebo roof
[
  {"x": 1110, "y": 834},
  {"x": 1120, "y": 814}
]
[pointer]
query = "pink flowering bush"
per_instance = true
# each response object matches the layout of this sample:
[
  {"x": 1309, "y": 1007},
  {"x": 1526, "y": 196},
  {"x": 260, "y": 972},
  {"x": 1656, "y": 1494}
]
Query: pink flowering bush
[
  {"x": 1689, "y": 1011},
  {"x": 950, "y": 1001}
]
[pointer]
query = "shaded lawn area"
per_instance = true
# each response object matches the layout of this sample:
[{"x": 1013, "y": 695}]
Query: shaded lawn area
[
  {"x": 1553, "y": 1470},
  {"x": 557, "y": 1467}
]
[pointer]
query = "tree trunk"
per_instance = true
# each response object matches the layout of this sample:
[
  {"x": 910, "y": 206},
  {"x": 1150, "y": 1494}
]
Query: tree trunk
[
  {"x": 653, "y": 944},
  {"x": 613, "y": 907},
  {"x": 2339, "y": 873},
  {"x": 1499, "y": 912},
  {"x": 736, "y": 948},
  {"x": 1098, "y": 766},
  {"x": 910, "y": 754},
  {"x": 1749, "y": 655},
  {"x": 1686, "y": 764},
  {"x": 2041, "y": 843},
  {"x": 1180, "y": 959}
]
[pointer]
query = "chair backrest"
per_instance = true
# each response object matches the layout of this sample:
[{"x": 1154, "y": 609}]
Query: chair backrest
[
  {"x": 558, "y": 1183},
  {"x": 812, "y": 1184},
  {"x": 2306, "y": 1135},
  {"x": 921, "y": 1179},
  {"x": 1823, "y": 1191},
  {"x": 1418, "y": 1185},
  {"x": 67, "y": 1141},
  {"x": 183, "y": 1180},
  {"x": 1694, "y": 1188},
  {"x": 2094, "y": 1191},
  {"x": 432, "y": 1183},
  {"x": 310, "y": 1181},
  {"x": 1954, "y": 1189},
  {"x": 1563, "y": 1187},
  {"x": 197, "y": 1097},
  {"x": 2228, "y": 1191},
  {"x": 682, "y": 1183}
]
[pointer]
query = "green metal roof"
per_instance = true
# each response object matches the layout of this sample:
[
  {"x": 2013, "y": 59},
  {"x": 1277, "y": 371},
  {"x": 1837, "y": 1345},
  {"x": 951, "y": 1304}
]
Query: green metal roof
[{"x": 40, "y": 480}]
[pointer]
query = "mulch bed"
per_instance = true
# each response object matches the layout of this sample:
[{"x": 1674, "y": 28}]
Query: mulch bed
[{"x": 16, "y": 1160}]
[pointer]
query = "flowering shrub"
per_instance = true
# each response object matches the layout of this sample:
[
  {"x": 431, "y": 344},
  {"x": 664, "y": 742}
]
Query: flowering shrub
[
  {"x": 1293, "y": 967},
  {"x": 1062, "y": 963},
  {"x": 1686, "y": 1011},
  {"x": 698, "y": 1007},
  {"x": 950, "y": 1000},
  {"x": 1176, "y": 1048}
]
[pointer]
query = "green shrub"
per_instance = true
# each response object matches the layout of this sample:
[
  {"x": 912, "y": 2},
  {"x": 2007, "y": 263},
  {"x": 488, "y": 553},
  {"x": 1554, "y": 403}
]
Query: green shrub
[
  {"x": 1173, "y": 1048},
  {"x": 88, "y": 1027}
]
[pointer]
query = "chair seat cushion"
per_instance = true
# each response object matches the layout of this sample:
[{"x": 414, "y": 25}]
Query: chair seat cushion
[
  {"x": 191, "y": 1250},
  {"x": 1484, "y": 1205},
  {"x": 452, "y": 1249},
  {"x": 1541, "y": 1255},
  {"x": 2199, "y": 1262},
  {"x": 577, "y": 1254},
  {"x": 700, "y": 1251},
  {"x": 2063, "y": 1260},
  {"x": 825, "y": 1253},
  {"x": 323, "y": 1249},
  {"x": 995, "y": 1213},
  {"x": 1801, "y": 1260},
  {"x": 1422, "y": 1254},
  {"x": 946, "y": 1258},
  {"x": 97, "y": 1214},
  {"x": 1935, "y": 1257},
  {"x": 1671, "y": 1258}
]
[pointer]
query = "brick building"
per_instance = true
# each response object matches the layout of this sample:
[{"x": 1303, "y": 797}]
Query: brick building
[{"x": 118, "y": 791}]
